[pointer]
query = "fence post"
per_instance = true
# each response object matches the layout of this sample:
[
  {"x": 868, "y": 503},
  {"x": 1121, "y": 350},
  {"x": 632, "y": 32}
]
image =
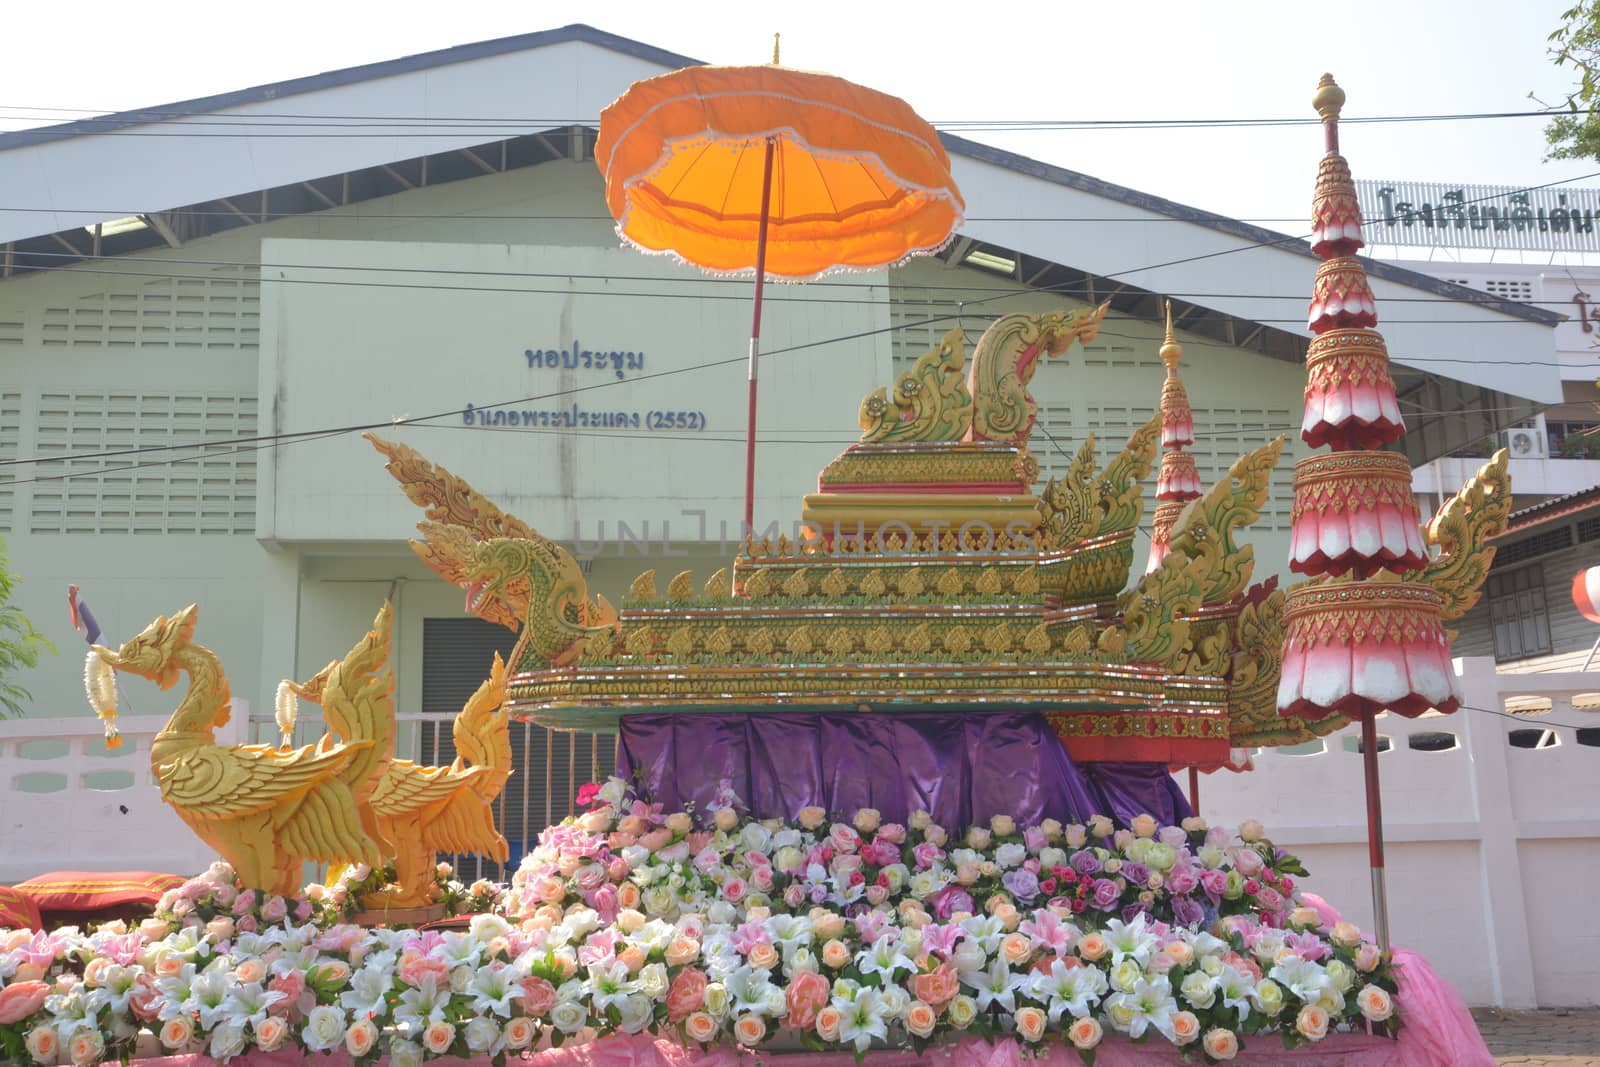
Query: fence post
[{"x": 1500, "y": 868}]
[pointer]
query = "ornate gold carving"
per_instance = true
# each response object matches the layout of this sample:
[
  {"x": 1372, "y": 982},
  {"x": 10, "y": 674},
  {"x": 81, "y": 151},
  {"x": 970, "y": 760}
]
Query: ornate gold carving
[
  {"x": 950, "y": 583},
  {"x": 797, "y": 584},
  {"x": 997, "y": 639},
  {"x": 833, "y": 584},
  {"x": 760, "y": 642},
  {"x": 988, "y": 583},
  {"x": 643, "y": 587},
  {"x": 872, "y": 584},
  {"x": 912, "y": 465},
  {"x": 640, "y": 641},
  {"x": 919, "y": 641},
  {"x": 910, "y": 582},
  {"x": 599, "y": 645},
  {"x": 759, "y": 584},
  {"x": 1154, "y": 611},
  {"x": 1003, "y": 364},
  {"x": 839, "y": 642},
  {"x": 720, "y": 643},
  {"x": 1205, "y": 531},
  {"x": 799, "y": 642},
  {"x": 1038, "y": 640},
  {"x": 680, "y": 643},
  {"x": 1083, "y": 505},
  {"x": 958, "y": 641},
  {"x": 879, "y": 641},
  {"x": 718, "y": 586},
  {"x": 681, "y": 587},
  {"x": 1462, "y": 530},
  {"x": 930, "y": 401},
  {"x": 1026, "y": 583}
]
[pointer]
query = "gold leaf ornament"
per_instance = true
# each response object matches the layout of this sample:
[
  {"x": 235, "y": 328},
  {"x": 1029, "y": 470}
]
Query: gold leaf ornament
[{"x": 929, "y": 402}]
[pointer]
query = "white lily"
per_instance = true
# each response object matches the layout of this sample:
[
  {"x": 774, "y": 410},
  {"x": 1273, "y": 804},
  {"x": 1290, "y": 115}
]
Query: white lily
[
  {"x": 862, "y": 1019},
  {"x": 368, "y": 988},
  {"x": 749, "y": 991},
  {"x": 997, "y": 985},
  {"x": 1149, "y": 1004},
  {"x": 1303, "y": 978},
  {"x": 1068, "y": 989},
  {"x": 423, "y": 1005},
  {"x": 1130, "y": 940},
  {"x": 885, "y": 957},
  {"x": 493, "y": 991},
  {"x": 1235, "y": 987},
  {"x": 609, "y": 985},
  {"x": 248, "y": 1003}
]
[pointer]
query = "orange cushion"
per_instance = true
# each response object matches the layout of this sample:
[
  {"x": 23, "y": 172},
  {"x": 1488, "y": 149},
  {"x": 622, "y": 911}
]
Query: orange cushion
[
  {"x": 18, "y": 911},
  {"x": 97, "y": 890}
]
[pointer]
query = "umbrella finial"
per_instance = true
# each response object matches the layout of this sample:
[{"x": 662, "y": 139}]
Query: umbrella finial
[{"x": 775, "y": 48}]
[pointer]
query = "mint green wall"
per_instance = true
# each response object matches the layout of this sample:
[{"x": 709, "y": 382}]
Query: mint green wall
[{"x": 127, "y": 354}]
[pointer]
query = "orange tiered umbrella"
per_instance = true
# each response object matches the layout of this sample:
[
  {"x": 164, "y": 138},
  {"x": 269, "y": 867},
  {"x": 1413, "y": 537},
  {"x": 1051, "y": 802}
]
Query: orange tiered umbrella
[{"x": 780, "y": 173}]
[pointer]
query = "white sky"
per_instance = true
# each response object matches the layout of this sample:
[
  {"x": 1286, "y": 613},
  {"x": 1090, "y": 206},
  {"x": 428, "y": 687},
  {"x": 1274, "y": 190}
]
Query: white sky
[{"x": 985, "y": 60}]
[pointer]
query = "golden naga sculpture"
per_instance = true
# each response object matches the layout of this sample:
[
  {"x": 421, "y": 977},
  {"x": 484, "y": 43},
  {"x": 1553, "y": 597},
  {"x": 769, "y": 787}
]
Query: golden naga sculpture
[
  {"x": 1462, "y": 530},
  {"x": 930, "y": 401},
  {"x": 1084, "y": 504},
  {"x": 422, "y": 811},
  {"x": 1002, "y": 410},
  {"x": 265, "y": 810},
  {"x": 511, "y": 574}
]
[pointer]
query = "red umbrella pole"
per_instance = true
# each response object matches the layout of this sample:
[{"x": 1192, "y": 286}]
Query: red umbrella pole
[
  {"x": 1380, "y": 895},
  {"x": 755, "y": 345},
  {"x": 1194, "y": 789}
]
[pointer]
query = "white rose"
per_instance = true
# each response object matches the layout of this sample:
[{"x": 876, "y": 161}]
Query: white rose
[
  {"x": 636, "y": 1012},
  {"x": 227, "y": 1041},
  {"x": 1210, "y": 856},
  {"x": 1050, "y": 856},
  {"x": 658, "y": 900},
  {"x": 717, "y": 1001},
  {"x": 894, "y": 1000},
  {"x": 1342, "y": 975},
  {"x": 1198, "y": 990},
  {"x": 481, "y": 1033},
  {"x": 405, "y": 1054},
  {"x": 969, "y": 956},
  {"x": 460, "y": 979},
  {"x": 653, "y": 980},
  {"x": 755, "y": 837},
  {"x": 1126, "y": 975},
  {"x": 488, "y": 927},
  {"x": 324, "y": 1029},
  {"x": 1010, "y": 854},
  {"x": 569, "y": 1016}
]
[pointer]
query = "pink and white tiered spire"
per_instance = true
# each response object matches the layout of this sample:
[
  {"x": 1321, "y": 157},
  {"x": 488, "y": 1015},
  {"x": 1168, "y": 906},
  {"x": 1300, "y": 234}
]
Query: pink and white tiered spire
[{"x": 1178, "y": 482}]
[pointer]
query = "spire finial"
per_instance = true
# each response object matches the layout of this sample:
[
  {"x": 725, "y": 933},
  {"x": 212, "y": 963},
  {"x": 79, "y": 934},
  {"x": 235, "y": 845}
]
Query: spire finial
[
  {"x": 1329, "y": 99},
  {"x": 1171, "y": 351},
  {"x": 775, "y": 48}
]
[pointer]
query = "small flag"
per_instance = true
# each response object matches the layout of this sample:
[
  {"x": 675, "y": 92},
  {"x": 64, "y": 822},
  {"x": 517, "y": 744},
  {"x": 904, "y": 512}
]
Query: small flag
[{"x": 82, "y": 617}]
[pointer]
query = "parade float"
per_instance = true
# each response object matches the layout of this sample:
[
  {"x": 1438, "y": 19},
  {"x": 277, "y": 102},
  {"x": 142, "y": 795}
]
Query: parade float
[{"x": 899, "y": 787}]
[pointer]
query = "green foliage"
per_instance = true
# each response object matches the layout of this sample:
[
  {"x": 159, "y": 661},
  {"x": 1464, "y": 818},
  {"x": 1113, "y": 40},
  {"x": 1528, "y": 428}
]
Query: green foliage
[
  {"x": 20, "y": 644},
  {"x": 1576, "y": 44}
]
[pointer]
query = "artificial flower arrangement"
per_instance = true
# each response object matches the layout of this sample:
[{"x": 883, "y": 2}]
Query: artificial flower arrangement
[{"x": 832, "y": 934}]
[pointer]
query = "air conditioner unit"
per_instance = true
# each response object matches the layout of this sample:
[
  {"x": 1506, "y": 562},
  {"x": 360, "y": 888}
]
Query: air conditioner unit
[{"x": 1525, "y": 443}]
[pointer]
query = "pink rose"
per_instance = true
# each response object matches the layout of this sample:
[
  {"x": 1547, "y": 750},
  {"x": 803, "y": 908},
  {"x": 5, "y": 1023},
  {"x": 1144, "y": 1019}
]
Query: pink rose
[
  {"x": 414, "y": 967},
  {"x": 590, "y": 876},
  {"x": 20, "y": 1000},
  {"x": 1247, "y": 861},
  {"x": 145, "y": 999},
  {"x": 686, "y": 994},
  {"x": 275, "y": 910},
  {"x": 937, "y": 987},
  {"x": 927, "y": 854},
  {"x": 291, "y": 984},
  {"x": 807, "y": 994},
  {"x": 892, "y": 832},
  {"x": 761, "y": 878},
  {"x": 734, "y": 889},
  {"x": 538, "y": 996},
  {"x": 844, "y": 837}
]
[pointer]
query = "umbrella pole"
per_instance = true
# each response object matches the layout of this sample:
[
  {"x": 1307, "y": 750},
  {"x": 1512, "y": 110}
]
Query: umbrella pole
[
  {"x": 755, "y": 345},
  {"x": 1380, "y": 895},
  {"x": 1194, "y": 789}
]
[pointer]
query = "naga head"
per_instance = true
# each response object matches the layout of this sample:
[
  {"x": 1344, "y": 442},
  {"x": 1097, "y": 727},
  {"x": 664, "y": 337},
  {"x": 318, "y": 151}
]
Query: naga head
[
  {"x": 152, "y": 653},
  {"x": 495, "y": 574}
]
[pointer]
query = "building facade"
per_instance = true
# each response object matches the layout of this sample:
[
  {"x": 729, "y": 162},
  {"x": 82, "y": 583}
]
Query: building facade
[{"x": 278, "y": 291}]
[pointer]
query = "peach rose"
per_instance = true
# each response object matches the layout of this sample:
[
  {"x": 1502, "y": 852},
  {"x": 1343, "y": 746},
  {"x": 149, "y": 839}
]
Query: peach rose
[
  {"x": 1092, "y": 947},
  {"x": 20, "y": 1000},
  {"x": 682, "y": 950},
  {"x": 835, "y": 954},
  {"x": 1085, "y": 1033},
  {"x": 42, "y": 1044},
  {"x": 700, "y": 1027},
  {"x": 633, "y": 957},
  {"x": 686, "y": 994},
  {"x": 270, "y": 1033},
  {"x": 169, "y": 965},
  {"x": 1375, "y": 1003},
  {"x": 1144, "y": 825},
  {"x": 921, "y": 1018},
  {"x": 812, "y": 817},
  {"x": 1312, "y": 1022},
  {"x": 937, "y": 987},
  {"x": 1345, "y": 934},
  {"x": 808, "y": 993},
  {"x": 178, "y": 1032},
  {"x": 762, "y": 956},
  {"x": 1368, "y": 957},
  {"x": 86, "y": 1047},
  {"x": 1185, "y": 1027},
  {"x": 1003, "y": 825},
  {"x": 520, "y": 1033},
  {"x": 679, "y": 822},
  {"x": 1030, "y": 1022},
  {"x": 725, "y": 819},
  {"x": 828, "y": 1021},
  {"x": 1221, "y": 1044},
  {"x": 551, "y": 890},
  {"x": 538, "y": 996},
  {"x": 359, "y": 1039},
  {"x": 749, "y": 1029},
  {"x": 1009, "y": 916},
  {"x": 868, "y": 820},
  {"x": 1016, "y": 948},
  {"x": 438, "y": 1038},
  {"x": 250, "y": 970},
  {"x": 628, "y": 896},
  {"x": 826, "y": 924},
  {"x": 1180, "y": 952},
  {"x": 94, "y": 973}
]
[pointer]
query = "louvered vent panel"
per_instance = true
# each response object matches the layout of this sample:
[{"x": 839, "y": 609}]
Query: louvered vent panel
[
  {"x": 218, "y": 312},
  {"x": 10, "y": 435},
  {"x": 211, "y": 492}
]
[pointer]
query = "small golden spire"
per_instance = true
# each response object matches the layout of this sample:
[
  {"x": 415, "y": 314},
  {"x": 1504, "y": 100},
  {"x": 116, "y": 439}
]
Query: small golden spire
[
  {"x": 775, "y": 48},
  {"x": 1171, "y": 351},
  {"x": 1329, "y": 99}
]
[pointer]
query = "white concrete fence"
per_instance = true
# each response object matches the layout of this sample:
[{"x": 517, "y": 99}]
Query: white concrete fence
[{"x": 1492, "y": 822}]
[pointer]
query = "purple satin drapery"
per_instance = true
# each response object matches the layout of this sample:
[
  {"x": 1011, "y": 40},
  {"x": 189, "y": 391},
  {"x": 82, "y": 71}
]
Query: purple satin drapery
[{"x": 961, "y": 767}]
